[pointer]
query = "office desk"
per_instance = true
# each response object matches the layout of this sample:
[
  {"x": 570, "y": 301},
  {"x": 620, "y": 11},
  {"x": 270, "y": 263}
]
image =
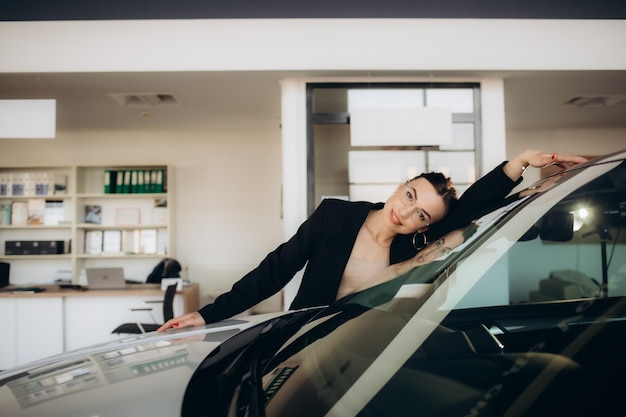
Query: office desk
[{"x": 58, "y": 320}]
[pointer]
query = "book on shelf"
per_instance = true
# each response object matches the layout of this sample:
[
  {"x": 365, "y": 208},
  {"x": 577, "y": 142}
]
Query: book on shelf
[
  {"x": 18, "y": 183},
  {"x": 103, "y": 242},
  {"x": 141, "y": 241},
  {"x": 158, "y": 181},
  {"x": 148, "y": 239},
  {"x": 146, "y": 181},
  {"x": 93, "y": 242},
  {"x": 36, "y": 211},
  {"x": 54, "y": 212},
  {"x": 41, "y": 183},
  {"x": 110, "y": 181},
  {"x": 107, "y": 181},
  {"x": 19, "y": 213},
  {"x": 30, "y": 183},
  {"x": 127, "y": 179},
  {"x": 5, "y": 183},
  {"x": 5, "y": 214},
  {"x": 112, "y": 241},
  {"x": 131, "y": 242},
  {"x": 119, "y": 182},
  {"x": 134, "y": 186},
  {"x": 140, "y": 181},
  {"x": 162, "y": 240},
  {"x": 135, "y": 181}
]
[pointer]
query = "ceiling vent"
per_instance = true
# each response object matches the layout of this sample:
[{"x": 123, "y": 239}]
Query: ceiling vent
[
  {"x": 595, "y": 101},
  {"x": 145, "y": 100}
]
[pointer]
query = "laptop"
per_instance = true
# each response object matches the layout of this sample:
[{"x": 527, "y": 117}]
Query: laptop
[{"x": 106, "y": 278}]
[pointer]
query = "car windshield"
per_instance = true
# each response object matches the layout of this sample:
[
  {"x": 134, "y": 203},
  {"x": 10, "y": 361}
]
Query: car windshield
[{"x": 560, "y": 241}]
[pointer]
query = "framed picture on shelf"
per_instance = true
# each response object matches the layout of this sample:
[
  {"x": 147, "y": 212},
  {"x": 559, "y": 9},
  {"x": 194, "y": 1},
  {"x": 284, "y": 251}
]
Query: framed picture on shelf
[
  {"x": 130, "y": 216},
  {"x": 93, "y": 214}
]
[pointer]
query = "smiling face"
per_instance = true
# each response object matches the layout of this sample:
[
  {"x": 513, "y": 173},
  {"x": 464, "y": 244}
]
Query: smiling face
[{"x": 413, "y": 207}]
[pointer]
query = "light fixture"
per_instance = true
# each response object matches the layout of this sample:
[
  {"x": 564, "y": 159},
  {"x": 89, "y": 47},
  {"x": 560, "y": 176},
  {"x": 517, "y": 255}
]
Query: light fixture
[
  {"x": 146, "y": 100},
  {"x": 27, "y": 119},
  {"x": 580, "y": 216},
  {"x": 595, "y": 101}
]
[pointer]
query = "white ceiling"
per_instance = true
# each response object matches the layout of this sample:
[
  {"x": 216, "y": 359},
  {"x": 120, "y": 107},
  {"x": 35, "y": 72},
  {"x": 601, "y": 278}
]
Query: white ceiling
[{"x": 533, "y": 100}]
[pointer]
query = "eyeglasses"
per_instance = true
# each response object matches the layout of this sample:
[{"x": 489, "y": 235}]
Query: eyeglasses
[{"x": 408, "y": 199}]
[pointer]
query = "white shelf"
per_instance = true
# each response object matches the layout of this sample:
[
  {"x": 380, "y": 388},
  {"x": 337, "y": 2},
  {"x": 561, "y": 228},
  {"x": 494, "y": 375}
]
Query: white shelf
[
  {"x": 120, "y": 256},
  {"x": 92, "y": 226},
  {"x": 37, "y": 257},
  {"x": 122, "y": 196},
  {"x": 85, "y": 186},
  {"x": 36, "y": 226}
]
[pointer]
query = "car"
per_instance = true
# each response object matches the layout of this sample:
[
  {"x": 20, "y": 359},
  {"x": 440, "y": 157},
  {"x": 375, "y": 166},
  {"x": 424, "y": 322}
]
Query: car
[{"x": 519, "y": 312}]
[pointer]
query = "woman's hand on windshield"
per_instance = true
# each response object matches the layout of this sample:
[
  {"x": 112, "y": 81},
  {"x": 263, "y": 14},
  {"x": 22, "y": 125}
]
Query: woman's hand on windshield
[
  {"x": 186, "y": 320},
  {"x": 539, "y": 159}
]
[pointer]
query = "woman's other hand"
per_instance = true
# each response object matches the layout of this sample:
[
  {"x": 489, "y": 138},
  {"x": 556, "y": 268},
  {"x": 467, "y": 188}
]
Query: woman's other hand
[
  {"x": 539, "y": 159},
  {"x": 186, "y": 320}
]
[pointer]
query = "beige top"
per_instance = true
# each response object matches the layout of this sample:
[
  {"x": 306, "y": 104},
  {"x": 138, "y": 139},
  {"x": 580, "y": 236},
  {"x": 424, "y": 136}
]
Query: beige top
[
  {"x": 358, "y": 275},
  {"x": 368, "y": 259}
]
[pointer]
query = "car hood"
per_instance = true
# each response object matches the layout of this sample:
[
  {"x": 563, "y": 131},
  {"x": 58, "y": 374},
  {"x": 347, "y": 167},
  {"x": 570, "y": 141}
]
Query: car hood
[{"x": 142, "y": 375}]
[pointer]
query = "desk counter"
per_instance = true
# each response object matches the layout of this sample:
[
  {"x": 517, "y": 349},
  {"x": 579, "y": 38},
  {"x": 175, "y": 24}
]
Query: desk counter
[
  {"x": 190, "y": 293},
  {"x": 67, "y": 319}
]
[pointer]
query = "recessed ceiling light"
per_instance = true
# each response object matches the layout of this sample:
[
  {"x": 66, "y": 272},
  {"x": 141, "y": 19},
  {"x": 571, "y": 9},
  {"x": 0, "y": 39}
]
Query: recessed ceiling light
[
  {"x": 144, "y": 100},
  {"x": 595, "y": 101}
]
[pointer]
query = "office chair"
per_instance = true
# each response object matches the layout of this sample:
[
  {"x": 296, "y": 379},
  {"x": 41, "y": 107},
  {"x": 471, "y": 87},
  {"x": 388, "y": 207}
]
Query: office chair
[{"x": 168, "y": 313}]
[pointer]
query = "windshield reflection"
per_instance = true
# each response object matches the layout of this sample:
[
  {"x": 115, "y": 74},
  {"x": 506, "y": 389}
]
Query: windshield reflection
[
  {"x": 335, "y": 349},
  {"x": 349, "y": 353}
]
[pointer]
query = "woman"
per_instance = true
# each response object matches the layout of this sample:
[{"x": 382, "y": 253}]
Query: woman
[{"x": 344, "y": 245}]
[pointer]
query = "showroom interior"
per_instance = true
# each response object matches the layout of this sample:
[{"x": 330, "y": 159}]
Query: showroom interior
[{"x": 224, "y": 106}]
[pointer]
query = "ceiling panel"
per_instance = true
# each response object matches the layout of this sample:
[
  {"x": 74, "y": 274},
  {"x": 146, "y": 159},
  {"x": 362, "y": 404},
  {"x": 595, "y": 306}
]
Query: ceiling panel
[{"x": 533, "y": 100}]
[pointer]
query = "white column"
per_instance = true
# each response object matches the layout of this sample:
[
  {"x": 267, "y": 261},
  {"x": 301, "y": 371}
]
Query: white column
[
  {"x": 293, "y": 122},
  {"x": 493, "y": 123}
]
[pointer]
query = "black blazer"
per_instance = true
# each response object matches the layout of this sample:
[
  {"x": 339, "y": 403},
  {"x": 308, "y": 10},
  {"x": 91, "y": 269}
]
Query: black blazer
[{"x": 324, "y": 242}]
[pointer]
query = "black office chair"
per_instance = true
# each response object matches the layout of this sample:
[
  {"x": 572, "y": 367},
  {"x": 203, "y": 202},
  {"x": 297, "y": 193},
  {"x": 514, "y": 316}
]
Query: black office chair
[{"x": 168, "y": 313}]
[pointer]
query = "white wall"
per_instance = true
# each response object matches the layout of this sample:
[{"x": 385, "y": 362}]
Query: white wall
[
  {"x": 586, "y": 142},
  {"x": 227, "y": 186}
]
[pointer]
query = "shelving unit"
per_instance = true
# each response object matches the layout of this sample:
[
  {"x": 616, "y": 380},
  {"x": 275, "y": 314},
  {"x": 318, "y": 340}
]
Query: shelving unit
[{"x": 131, "y": 214}]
